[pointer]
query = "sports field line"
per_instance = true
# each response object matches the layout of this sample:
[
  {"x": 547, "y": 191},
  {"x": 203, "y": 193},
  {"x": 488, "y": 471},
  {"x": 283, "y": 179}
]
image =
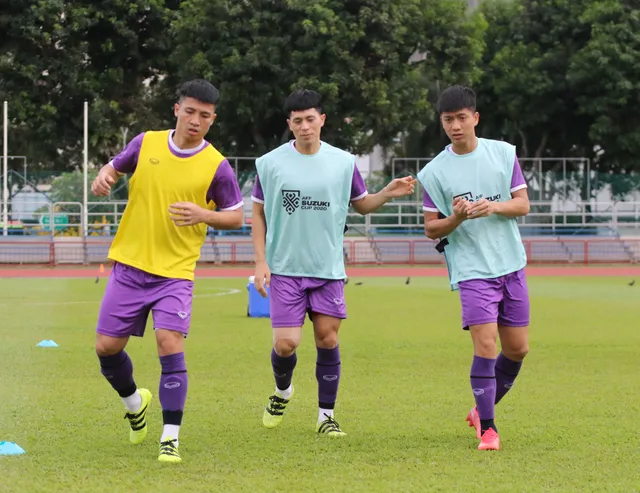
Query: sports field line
[
  {"x": 220, "y": 292},
  {"x": 239, "y": 272}
]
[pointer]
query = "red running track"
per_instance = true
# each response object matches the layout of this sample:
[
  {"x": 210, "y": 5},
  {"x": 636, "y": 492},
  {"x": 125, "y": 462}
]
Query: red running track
[{"x": 207, "y": 272}]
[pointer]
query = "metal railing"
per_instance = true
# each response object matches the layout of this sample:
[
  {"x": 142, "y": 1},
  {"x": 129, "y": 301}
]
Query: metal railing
[
  {"x": 546, "y": 177},
  {"x": 77, "y": 250},
  {"x": 543, "y": 215},
  {"x": 103, "y": 218}
]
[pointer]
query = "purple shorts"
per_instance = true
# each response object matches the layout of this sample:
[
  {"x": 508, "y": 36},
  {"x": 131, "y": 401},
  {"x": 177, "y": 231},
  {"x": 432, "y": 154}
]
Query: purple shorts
[
  {"x": 132, "y": 293},
  {"x": 503, "y": 300},
  {"x": 292, "y": 297}
]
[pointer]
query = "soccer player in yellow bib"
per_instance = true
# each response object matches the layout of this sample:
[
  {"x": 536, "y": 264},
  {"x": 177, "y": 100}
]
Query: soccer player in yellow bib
[{"x": 180, "y": 184}]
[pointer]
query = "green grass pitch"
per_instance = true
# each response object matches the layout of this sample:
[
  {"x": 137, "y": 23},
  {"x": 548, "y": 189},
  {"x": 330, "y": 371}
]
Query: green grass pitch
[{"x": 570, "y": 424}]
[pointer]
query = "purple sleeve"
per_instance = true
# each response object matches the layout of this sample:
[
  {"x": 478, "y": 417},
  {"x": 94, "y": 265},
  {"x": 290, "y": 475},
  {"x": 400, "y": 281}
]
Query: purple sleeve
[
  {"x": 517, "y": 180},
  {"x": 257, "y": 195},
  {"x": 358, "y": 187},
  {"x": 224, "y": 190},
  {"x": 126, "y": 161},
  {"x": 427, "y": 203}
]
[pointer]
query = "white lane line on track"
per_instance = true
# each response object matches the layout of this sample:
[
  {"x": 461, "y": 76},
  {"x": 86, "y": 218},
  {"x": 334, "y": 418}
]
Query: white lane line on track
[{"x": 207, "y": 294}]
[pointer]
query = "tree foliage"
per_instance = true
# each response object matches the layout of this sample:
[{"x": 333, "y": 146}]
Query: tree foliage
[
  {"x": 555, "y": 77},
  {"x": 605, "y": 76},
  {"x": 524, "y": 94},
  {"x": 457, "y": 44},
  {"x": 356, "y": 53},
  {"x": 56, "y": 54}
]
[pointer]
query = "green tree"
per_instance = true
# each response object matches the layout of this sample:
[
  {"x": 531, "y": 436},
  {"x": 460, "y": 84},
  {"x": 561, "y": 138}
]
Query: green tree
[
  {"x": 355, "y": 52},
  {"x": 458, "y": 42},
  {"x": 559, "y": 79},
  {"x": 524, "y": 94},
  {"x": 67, "y": 191},
  {"x": 605, "y": 74},
  {"x": 69, "y": 187},
  {"x": 56, "y": 54}
]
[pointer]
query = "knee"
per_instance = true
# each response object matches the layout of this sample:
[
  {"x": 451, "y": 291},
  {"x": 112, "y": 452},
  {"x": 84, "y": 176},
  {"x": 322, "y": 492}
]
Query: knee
[
  {"x": 169, "y": 342},
  {"x": 517, "y": 353},
  {"x": 485, "y": 347},
  {"x": 106, "y": 346},
  {"x": 327, "y": 340},
  {"x": 285, "y": 347}
]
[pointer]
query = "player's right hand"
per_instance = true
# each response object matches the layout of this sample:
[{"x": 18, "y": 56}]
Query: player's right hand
[
  {"x": 460, "y": 208},
  {"x": 262, "y": 278},
  {"x": 101, "y": 186}
]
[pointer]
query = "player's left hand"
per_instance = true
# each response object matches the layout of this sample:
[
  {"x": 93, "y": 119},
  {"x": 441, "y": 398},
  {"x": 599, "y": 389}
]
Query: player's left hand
[
  {"x": 482, "y": 208},
  {"x": 400, "y": 187},
  {"x": 187, "y": 214}
]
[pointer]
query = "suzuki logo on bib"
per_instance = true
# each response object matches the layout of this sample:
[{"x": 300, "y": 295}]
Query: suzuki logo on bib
[
  {"x": 466, "y": 196},
  {"x": 290, "y": 200},
  {"x": 469, "y": 196}
]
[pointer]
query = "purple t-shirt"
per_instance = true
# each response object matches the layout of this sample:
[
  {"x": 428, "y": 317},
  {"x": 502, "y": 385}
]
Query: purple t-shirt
[
  {"x": 358, "y": 187},
  {"x": 223, "y": 191},
  {"x": 517, "y": 183}
]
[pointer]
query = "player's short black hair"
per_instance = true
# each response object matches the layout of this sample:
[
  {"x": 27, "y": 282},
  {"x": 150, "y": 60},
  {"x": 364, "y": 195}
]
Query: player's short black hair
[
  {"x": 199, "y": 89},
  {"x": 456, "y": 98},
  {"x": 303, "y": 99}
]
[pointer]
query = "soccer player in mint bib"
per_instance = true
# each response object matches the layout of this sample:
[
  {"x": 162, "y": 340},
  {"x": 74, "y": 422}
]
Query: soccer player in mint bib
[
  {"x": 178, "y": 179},
  {"x": 473, "y": 192},
  {"x": 301, "y": 199}
]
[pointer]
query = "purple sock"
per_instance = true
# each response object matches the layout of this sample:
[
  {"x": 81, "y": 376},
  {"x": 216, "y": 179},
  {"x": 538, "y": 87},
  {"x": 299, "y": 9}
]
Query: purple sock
[
  {"x": 506, "y": 373},
  {"x": 173, "y": 388},
  {"x": 483, "y": 384},
  {"x": 118, "y": 370},
  {"x": 328, "y": 376},
  {"x": 283, "y": 367}
]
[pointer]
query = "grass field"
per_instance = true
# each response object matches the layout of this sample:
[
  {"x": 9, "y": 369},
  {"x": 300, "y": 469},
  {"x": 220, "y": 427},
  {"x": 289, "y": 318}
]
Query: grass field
[{"x": 570, "y": 424}]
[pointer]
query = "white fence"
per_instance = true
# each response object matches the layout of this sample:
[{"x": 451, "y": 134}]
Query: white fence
[
  {"x": 602, "y": 218},
  {"x": 547, "y": 178}
]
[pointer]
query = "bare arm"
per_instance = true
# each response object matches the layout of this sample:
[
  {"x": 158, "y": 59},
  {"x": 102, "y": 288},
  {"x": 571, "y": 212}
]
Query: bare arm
[
  {"x": 396, "y": 188},
  {"x": 370, "y": 203},
  {"x": 259, "y": 232},
  {"x": 110, "y": 170},
  {"x": 224, "y": 219},
  {"x": 262, "y": 277},
  {"x": 123, "y": 163},
  {"x": 107, "y": 177},
  {"x": 189, "y": 214},
  {"x": 436, "y": 228},
  {"x": 516, "y": 207},
  {"x": 225, "y": 193}
]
